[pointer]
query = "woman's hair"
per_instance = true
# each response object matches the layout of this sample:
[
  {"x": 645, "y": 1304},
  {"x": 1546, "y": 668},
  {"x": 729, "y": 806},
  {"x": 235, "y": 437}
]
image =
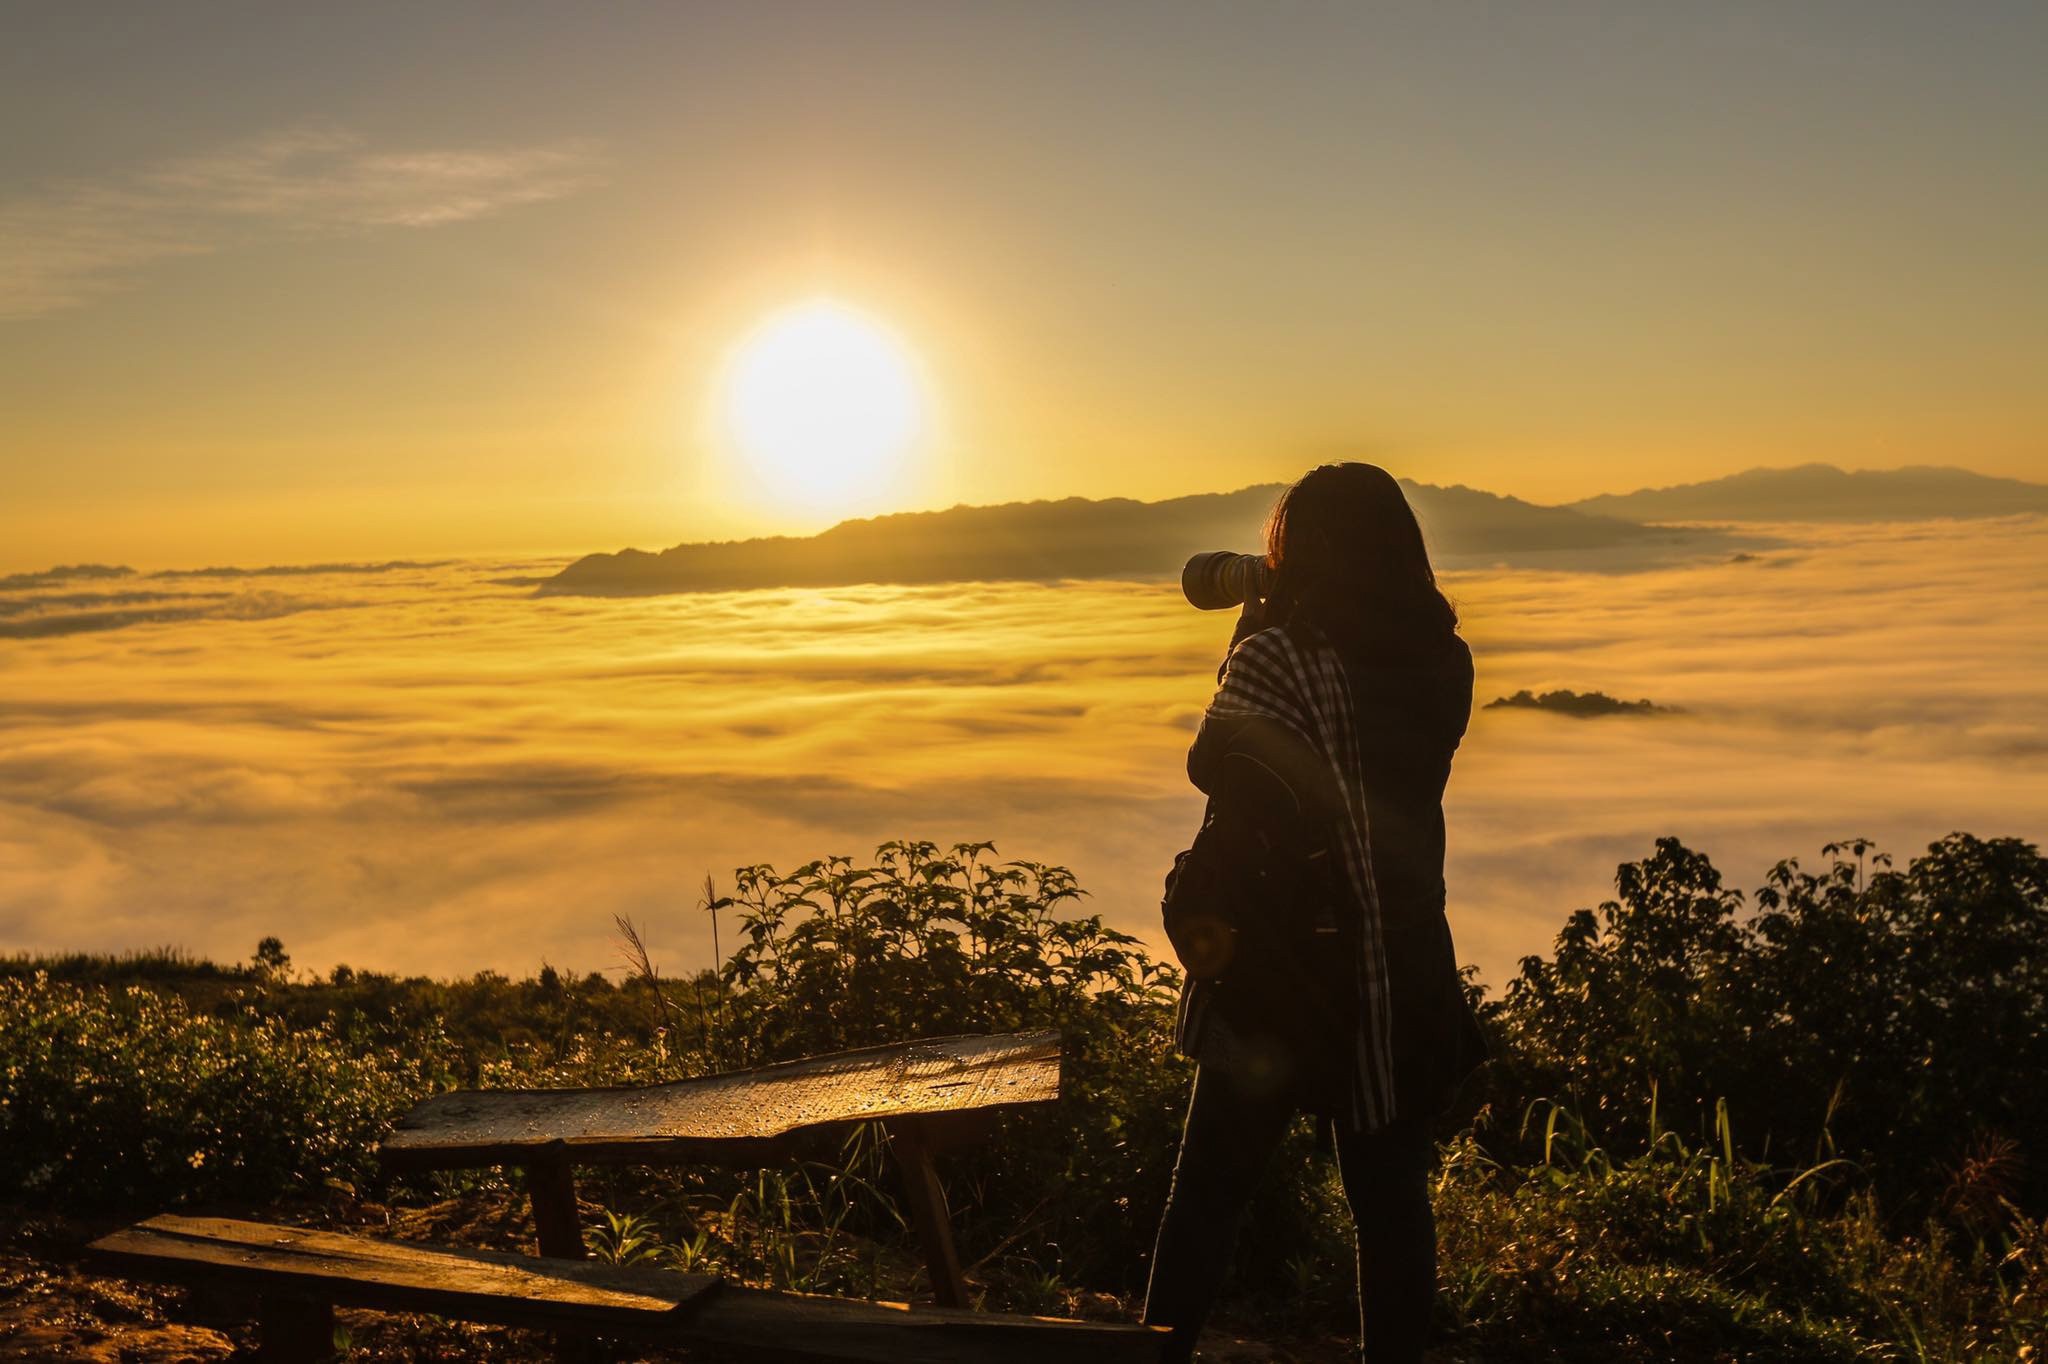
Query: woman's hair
[{"x": 1348, "y": 554}]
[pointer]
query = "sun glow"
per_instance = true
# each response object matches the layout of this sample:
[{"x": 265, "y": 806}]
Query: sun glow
[{"x": 823, "y": 403}]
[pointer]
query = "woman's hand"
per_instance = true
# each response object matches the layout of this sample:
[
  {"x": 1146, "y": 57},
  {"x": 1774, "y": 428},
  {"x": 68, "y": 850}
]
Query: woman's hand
[{"x": 1250, "y": 621}]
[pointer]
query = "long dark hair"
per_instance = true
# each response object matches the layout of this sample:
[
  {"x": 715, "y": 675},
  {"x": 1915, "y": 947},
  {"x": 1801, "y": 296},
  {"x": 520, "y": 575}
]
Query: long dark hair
[{"x": 1347, "y": 554}]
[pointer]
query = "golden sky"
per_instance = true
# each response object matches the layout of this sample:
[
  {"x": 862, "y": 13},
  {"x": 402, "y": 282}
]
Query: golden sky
[{"x": 295, "y": 283}]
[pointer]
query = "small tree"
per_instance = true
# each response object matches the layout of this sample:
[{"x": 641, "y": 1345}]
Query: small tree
[
  {"x": 1909, "y": 1010},
  {"x": 1641, "y": 1000},
  {"x": 271, "y": 960}
]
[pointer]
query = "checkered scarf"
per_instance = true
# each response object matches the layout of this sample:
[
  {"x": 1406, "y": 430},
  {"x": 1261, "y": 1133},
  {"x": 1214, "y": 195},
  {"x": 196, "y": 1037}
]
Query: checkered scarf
[{"x": 1292, "y": 675}]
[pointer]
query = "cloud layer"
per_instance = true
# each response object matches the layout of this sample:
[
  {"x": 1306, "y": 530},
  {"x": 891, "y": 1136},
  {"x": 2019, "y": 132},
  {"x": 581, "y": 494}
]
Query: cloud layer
[
  {"x": 69, "y": 242},
  {"x": 422, "y": 768}
]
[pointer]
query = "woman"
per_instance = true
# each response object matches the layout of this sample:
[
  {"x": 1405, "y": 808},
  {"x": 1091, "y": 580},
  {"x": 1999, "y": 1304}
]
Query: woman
[{"x": 1344, "y": 695}]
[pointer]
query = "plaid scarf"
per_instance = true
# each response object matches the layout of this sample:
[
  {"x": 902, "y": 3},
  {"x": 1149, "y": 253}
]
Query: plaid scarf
[{"x": 1291, "y": 674}]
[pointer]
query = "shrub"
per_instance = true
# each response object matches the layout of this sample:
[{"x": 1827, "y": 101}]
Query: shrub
[
  {"x": 926, "y": 943},
  {"x": 1897, "y": 1017},
  {"x": 128, "y": 1098}
]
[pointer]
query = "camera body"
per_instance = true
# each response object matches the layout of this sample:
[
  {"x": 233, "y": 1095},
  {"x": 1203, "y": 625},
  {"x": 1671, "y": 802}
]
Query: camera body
[{"x": 1220, "y": 580}]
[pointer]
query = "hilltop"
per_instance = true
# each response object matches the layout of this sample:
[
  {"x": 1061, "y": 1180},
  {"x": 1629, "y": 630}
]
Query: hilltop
[
  {"x": 1120, "y": 537},
  {"x": 1080, "y": 537},
  {"x": 1823, "y": 492}
]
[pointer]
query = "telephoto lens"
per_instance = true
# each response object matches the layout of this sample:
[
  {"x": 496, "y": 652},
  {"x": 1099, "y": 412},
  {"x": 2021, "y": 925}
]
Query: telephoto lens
[{"x": 1220, "y": 580}]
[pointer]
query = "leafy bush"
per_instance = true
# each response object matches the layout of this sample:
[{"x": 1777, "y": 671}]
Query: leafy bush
[
  {"x": 1906, "y": 1015},
  {"x": 1643, "y": 997},
  {"x": 1897, "y": 1017},
  {"x": 484, "y": 1015},
  {"x": 129, "y": 1098},
  {"x": 925, "y": 944}
]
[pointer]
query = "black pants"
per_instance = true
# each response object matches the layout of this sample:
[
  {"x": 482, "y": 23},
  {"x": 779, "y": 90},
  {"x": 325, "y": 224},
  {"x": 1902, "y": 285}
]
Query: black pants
[{"x": 1245, "y": 1098}]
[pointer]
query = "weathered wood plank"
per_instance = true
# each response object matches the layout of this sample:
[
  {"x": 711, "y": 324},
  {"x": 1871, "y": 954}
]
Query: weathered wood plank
[
  {"x": 283, "y": 1263},
  {"x": 736, "y": 1116},
  {"x": 362, "y": 1271}
]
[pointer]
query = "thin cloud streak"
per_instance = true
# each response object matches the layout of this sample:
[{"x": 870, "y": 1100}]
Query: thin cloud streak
[{"x": 71, "y": 242}]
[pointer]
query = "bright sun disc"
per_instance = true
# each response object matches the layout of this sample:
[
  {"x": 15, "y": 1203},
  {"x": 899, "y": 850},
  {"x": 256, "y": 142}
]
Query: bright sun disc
[{"x": 822, "y": 401}]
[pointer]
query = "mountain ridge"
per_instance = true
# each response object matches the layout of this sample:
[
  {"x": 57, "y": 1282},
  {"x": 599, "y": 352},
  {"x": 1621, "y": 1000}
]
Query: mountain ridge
[
  {"x": 1826, "y": 492},
  {"x": 1077, "y": 537},
  {"x": 1467, "y": 527}
]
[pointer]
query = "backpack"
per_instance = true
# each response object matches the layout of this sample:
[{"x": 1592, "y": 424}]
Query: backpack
[
  {"x": 1245, "y": 889},
  {"x": 1256, "y": 917}
]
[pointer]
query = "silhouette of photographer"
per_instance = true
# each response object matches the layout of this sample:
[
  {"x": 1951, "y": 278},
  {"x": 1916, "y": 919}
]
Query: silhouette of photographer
[{"x": 1309, "y": 913}]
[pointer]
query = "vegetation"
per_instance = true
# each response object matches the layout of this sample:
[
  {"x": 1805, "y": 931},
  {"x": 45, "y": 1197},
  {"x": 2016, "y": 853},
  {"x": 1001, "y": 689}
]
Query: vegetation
[
  {"x": 1583, "y": 705},
  {"x": 129, "y": 1098},
  {"x": 1892, "y": 1018},
  {"x": 1795, "y": 1131}
]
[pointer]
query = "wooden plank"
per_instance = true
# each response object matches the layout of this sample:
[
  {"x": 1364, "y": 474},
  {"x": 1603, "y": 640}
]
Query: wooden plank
[
  {"x": 739, "y": 1116},
  {"x": 796, "y": 1327},
  {"x": 293, "y": 1265},
  {"x": 283, "y": 1263},
  {"x": 928, "y": 1211},
  {"x": 363, "y": 1271}
]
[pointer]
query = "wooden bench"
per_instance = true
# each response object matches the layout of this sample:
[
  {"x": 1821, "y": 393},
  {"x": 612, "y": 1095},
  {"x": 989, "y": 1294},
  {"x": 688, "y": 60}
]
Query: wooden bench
[
  {"x": 928, "y": 1095},
  {"x": 298, "y": 1276}
]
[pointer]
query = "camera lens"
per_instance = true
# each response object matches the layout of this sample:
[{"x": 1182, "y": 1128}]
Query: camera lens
[{"x": 1220, "y": 579}]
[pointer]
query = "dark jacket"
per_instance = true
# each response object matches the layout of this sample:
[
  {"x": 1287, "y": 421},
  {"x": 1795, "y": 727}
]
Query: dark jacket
[{"x": 1410, "y": 709}]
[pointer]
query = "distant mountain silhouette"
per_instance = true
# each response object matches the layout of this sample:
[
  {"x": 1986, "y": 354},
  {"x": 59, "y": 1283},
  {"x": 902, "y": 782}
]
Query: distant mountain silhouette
[
  {"x": 1079, "y": 537},
  {"x": 1822, "y": 492}
]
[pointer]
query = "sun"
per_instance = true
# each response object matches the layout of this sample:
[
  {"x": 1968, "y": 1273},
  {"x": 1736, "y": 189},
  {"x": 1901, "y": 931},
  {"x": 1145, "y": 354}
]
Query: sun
[{"x": 822, "y": 402}]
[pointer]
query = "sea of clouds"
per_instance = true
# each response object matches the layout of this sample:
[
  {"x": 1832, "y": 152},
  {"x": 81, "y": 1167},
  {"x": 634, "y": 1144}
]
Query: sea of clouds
[{"x": 424, "y": 767}]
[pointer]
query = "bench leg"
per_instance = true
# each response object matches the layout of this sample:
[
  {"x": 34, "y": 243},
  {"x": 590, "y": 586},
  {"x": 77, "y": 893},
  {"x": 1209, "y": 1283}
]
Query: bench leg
[
  {"x": 928, "y": 1212},
  {"x": 294, "y": 1330},
  {"x": 551, "y": 1186}
]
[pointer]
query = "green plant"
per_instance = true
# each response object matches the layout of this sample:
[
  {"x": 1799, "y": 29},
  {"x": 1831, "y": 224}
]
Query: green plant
[
  {"x": 1896, "y": 1016},
  {"x": 929, "y": 943},
  {"x": 625, "y": 1238},
  {"x": 127, "y": 1097}
]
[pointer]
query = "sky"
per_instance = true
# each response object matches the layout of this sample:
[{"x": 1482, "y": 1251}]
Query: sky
[
  {"x": 450, "y": 294},
  {"x": 302, "y": 283}
]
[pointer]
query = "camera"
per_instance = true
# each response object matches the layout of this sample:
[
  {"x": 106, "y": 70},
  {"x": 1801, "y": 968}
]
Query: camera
[{"x": 1220, "y": 580}]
